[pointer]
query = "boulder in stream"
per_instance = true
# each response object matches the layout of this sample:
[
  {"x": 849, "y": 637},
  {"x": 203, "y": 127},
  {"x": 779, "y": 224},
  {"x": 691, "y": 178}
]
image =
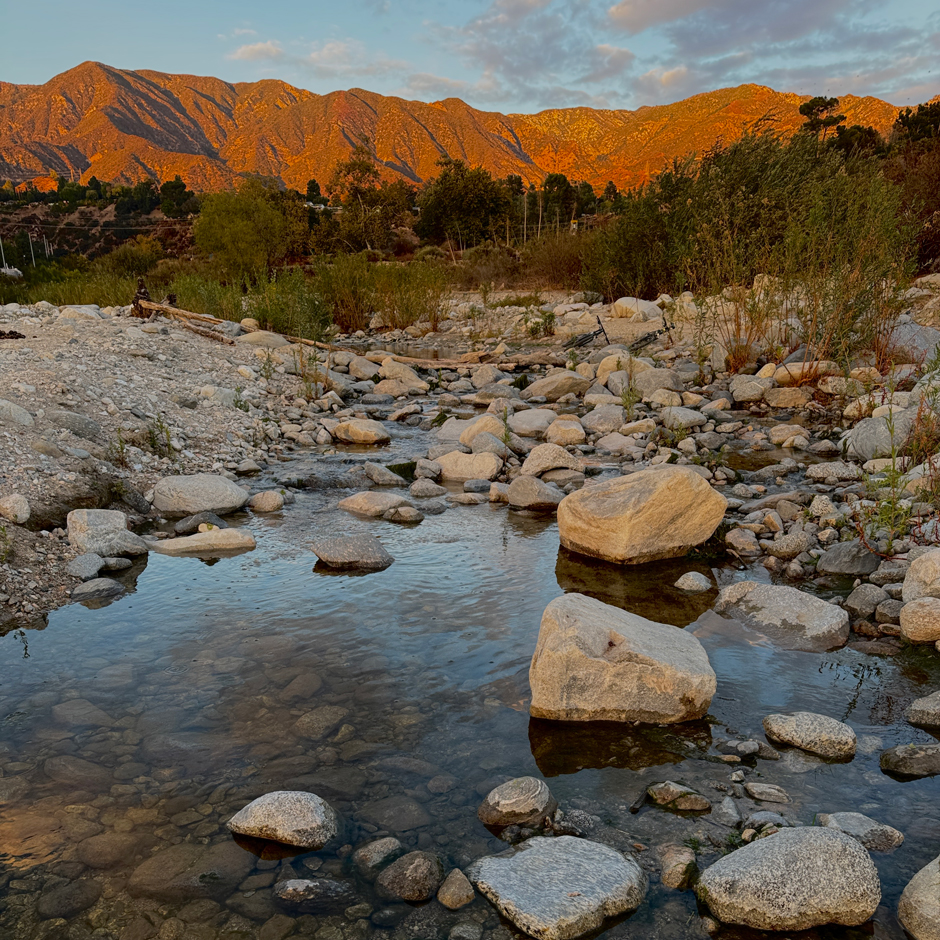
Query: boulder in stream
[
  {"x": 818, "y": 734},
  {"x": 919, "y": 907},
  {"x": 197, "y": 492},
  {"x": 292, "y": 817}
]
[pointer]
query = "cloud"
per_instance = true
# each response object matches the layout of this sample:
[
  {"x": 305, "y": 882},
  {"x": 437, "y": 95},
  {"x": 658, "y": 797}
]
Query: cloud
[
  {"x": 608, "y": 62},
  {"x": 635, "y": 16},
  {"x": 333, "y": 59},
  {"x": 268, "y": 51}
]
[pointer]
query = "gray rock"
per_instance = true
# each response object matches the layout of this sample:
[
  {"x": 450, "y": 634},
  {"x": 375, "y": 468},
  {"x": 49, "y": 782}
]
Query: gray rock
[
  {"x": 848, "y": 558},
  {"x": 80, "y": 425},
  {"x": 103, "y": 532},
  {"x": 289, "y": 816},
  {"x": 352, "y": 551},
  {"x": 875, "y": 836},
  {"x": 68, "y": 900},
  {"x": 561, "y": 888},
  {"x": 486, "y": 443},
  {"x": 97, "y": 589},
  {"x": 85, "y": 567},
  {"x": 316, "y": 895},
  {"x": 14, "y": 508},
  {"x": 793, "y": 880},
  {"x": 525, "y": 801},
  {"x": 188, "y": 871},
  {"x": 818, "y": 734},
  {"x": 595, "y": 662},
  {"x": 372, "y": 858},
  {"x": 190, "y": 524},
  {"x": 476, "y": 486},
  {"x": 424, "y": 488},
  {"x": 414, "y": 877},
  {"x": 682, "y": 418},
  {"x": 678, "y": 796},
  {"x": 694, "y": 582},
  {"x": 766, "y": 792},
  {"x": 198, "y": 492},
  {"x": 925, "y": 711},
  {"x": 456, "y": 891},
  {"x": 557, "y": 384},
  {"x": 912, "y": 760},
  {"x": 11, "y": 414},
  {"x": 789, "y": 546},
  {"x": 864, "y": 600},
  {"x": 382, "y": 476},
  {"x": 919, "y": 907},
  {"x": 743, "y": 541},
  {"x": 372, "y": 504},
  {"x": 677, "y": 865},
  {"x": 527, "y": 492},
  {"x": 790, "y": 617},
  {"x": 427, "y": 469},
  {"x": 872, "y": 437}
]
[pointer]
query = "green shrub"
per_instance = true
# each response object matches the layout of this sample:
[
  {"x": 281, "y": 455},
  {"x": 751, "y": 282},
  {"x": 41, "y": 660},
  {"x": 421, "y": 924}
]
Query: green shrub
[
  {"x": 347, "y": 285},
  {"x": 410, "y": 293}
]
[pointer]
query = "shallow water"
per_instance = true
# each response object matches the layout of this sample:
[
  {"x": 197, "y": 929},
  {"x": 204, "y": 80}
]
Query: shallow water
[{"x": 198, "y": 677}]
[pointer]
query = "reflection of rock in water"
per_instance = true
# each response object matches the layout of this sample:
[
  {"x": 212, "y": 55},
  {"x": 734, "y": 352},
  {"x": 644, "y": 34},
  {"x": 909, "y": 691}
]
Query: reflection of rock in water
[
  {"x": 565, "y": 747},
  {"x": 642, "y": 589}
]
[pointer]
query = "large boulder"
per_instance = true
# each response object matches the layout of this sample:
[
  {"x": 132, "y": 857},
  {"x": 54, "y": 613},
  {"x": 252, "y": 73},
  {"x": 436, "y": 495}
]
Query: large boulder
[
  {"x": 919, "y": 907},
  {"x": 187, "y": 871},
  {"x": 557, "y": 384},
  {"x": 400, "y": 372},
  {"x": 923, "y": 577},
  {"x": 604, "y": 419},
  {"x": 459, "y": 467},
  {"x": 103, "y": 532},
  {"x": 792, "y": 618},
  {"x": 920, "y": 620},
  {"x": 594, "y": 662},
  {"x": 876, "y": 437},
  {"x": 289, "y": 816},
  {"x": 848, "y": 558},
  {"x": 361, "y": 431},
  {"x": 657, "y": 513},
  {"x": 545, "y": 457},
  {"x": 793, "y": 880},
  {"x": 557, "y": 889},
  {"x": 818, "y": 734},
  {"x": 198, "y": 492}
]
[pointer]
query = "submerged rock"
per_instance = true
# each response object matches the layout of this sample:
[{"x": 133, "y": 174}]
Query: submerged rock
[
  {"x": 594, "y": 662},
  {"x": 188, "y": 871},
  {"x": 557, "y": 889},
  {"x": 793, "y": 880},
  {"x": 289, "y": 816},
  {"x": 875, "y": 836},
  {"x": 817, "y": 734},
  {"x": 649, "y": 515},
  {"x": 316, "y": 895}
]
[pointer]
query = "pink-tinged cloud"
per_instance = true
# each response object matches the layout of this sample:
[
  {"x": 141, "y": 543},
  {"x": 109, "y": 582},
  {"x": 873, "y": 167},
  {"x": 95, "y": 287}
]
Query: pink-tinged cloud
[
  {"x": 636, "y": 15},
  {"x": 258, "y": 52}
]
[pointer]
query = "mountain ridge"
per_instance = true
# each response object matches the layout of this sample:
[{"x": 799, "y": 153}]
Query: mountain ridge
[{"x": 123, "y": 125}]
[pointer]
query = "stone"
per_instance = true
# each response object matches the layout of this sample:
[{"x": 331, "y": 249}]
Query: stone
[
  {"x": 789, "y": 546},
  {"x": 525, "y": 801},
  {"x": 793, "y": 880},
  {"x": 603, "y": 419},
  {"x": 370, "y": 859},
  {"x": 68, "y": 900},
  {"x": 360, "y": 431},
  {"x": 292, "y": 817},
  {"x": 191, "y": 524},
  {"x": 911, "y": 760},
  {"x": 533, "y": 423},
  {"x": 677, "y": 865},
  {"x": 211, "y": 542},
  {"x": 648, "y": 382},
  {"x": 820, "y": 472},
  {"x": 80, "y": 713},
  {"x": 353, "y": 551},
  {"x": 78, "y": 773},
  {"x": 103, "y": 532},
  {"x": 556, "y": 385},
  {"x": 787, "y": 397},
  {"x": 766, "y": 792},
  {"x": 188, "y": 871},
  {"x": 426, "y": 489},
  {"x": 398, "y": 813},
  {"x": 925, "y": 712},
  {"x": 80, "y": 425},
  {"x": 875, "y": 836},
  {"x": 595, "y": 662},
  {"x": 97, "y": 589},
  {"x": 414, "y": 877},
  {"x": 14, "y": 508},
  {"x": 400, "y": 372},
  {"x": 456, "y": 891},
  {"x": 565, "y": 433},
  {"x": 920, "y": 620},
  {"x": 743, "y": 541},
  {"x": 848, "y": 558},
  {"x": 371, "y": 504},
  {"x": 263, "y": 339},
  {"x": 874, "y": 437},
  {"x": 919, "y": 907},
  {"x": 323, "y": 896},
  {"x": 268, "y": 501},
  {"x": 459, "y": 467},
  {"x": 11, "y": 414},
  {"x": 427, "y": 469},
  {"x": 531, "y": 493},
  {"x": 557, "y": 889},
  {"x": 818, "y": 734},
  {"x": 486, "y": 443},
  {"x": 108, "y": 849},
  {"x": 545, "y": 457},
  {"x": 790, "y": 617},
  {"x": 646, "y": 516},
  {"x": 923, "y": 577},
  {"x": 864, "y": 600},
  {"x": 485, "y": 424},
  {"x": 320, "y": 722},
  {"x": 85, "y": 567},
  {"x": 677, "y": 419},
  {"x": 694, "y": 582},
  {"x": 678, "y": 796},
  {"x": 197, "y": 492}
]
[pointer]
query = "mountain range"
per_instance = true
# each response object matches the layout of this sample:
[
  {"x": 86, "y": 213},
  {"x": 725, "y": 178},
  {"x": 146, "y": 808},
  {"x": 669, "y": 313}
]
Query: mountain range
[{"x": 122, "y": 126}]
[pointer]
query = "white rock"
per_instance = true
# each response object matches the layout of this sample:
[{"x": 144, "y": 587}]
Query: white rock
[
  {"x": 198, "y": 492},
  {"x": 292, "y": 817}
]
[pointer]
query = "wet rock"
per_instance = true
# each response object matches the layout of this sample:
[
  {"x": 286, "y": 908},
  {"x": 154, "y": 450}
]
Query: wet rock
[
  {"x": 426, "y": 489},
  {"x": 80, "y": 713},
  {"x": 922, "y": 578},
  {"x": 213, "y": 541},
  {"x": 68, "y": 900},
  {"x": 370, "y": 859},
  {"x": 875, "y": 836},
  {"x": 288, "y": 816},
  {"x": 97, "y": 589},
  {"x": 188, "y": 871},
  {"x": 267, "y": 501},
  {"x": 403, "y": 514},
  {"x": 397, "y": 813},
  {"x": 459, "y": 467},
  {"x": 77, "y": 773},
  {"x": 766, "y": 792},
  {"x": 352, "y": 551},
  {"x": 791, "y": 617},
  {"x": 382, "y": 476},
  {"x": 85, "y": 566},
  {"x": 679, "y": 797},
  {"x": 912, "y": 760},
  {"x": 561, "y": 888},
  {"x": 677, "y": 865},
  {"x": 848, "y": 558},
  {"x": 920, "y": 620},
  {"x": 320, "y": 722},
  {"x": 694, "y": 582},
  {"x": 525, "y": 801},
  {"x": 198, "y": 492},
  {"x": 108, "y": 849},
  {"x": 531, "y": 493},
  {"x": 817, "y": 734},
  {"x": 372, "y": 504},
  {"x": 14, "y": 508},
  {"x": 925, "y": 711},
  {"x": 12, "y": 788},
  {"x": 103, "y": 532},
  {"x": 361, "y": 431},
  {"x": 793, "y": 880},
  {"x": 919, "y": 907},
  {"x": 594, "y": 662},
  {"x": 649, "y": 515},
  {"x": 191, "y": 524},
  {"x": 316, "y": 895},
  {"x": 456, "y": 891},
  {"x": 414, "y": 877}
]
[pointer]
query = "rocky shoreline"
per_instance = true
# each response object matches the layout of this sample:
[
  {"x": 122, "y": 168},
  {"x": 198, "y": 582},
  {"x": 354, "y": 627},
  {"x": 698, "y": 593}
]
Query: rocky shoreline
[{"x": 123, "y": 438}]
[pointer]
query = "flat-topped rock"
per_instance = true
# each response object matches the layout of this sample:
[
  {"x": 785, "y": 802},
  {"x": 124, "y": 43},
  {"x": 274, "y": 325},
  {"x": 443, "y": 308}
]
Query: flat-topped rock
[
  {"x": 197, "y": 492},
  {"x": 372, "y": 504},
  {"x": 103, "y": 532},
  {"x": 353, "y": 551},
  {"x": 818, "y": 734},
  {"x": 207, "y": 543}
]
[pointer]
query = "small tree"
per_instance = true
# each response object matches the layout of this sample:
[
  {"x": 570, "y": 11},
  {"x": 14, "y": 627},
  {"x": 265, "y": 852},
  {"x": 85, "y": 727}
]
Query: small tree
[
  {"x": 175, "y": 199},
  {"x": 820, "y": 116}
]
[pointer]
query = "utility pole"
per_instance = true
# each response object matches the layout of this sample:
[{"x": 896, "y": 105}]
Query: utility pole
[
  {"x": 32, "y": 253},
  {"x": 3, "y": 257}
]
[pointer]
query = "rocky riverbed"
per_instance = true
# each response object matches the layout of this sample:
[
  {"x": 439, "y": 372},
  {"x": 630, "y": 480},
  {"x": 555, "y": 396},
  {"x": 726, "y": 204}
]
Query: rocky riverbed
[{"x": 362, "y": 593}]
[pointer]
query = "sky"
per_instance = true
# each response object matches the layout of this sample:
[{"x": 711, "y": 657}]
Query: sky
[{"x": 502, "y": 55}]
